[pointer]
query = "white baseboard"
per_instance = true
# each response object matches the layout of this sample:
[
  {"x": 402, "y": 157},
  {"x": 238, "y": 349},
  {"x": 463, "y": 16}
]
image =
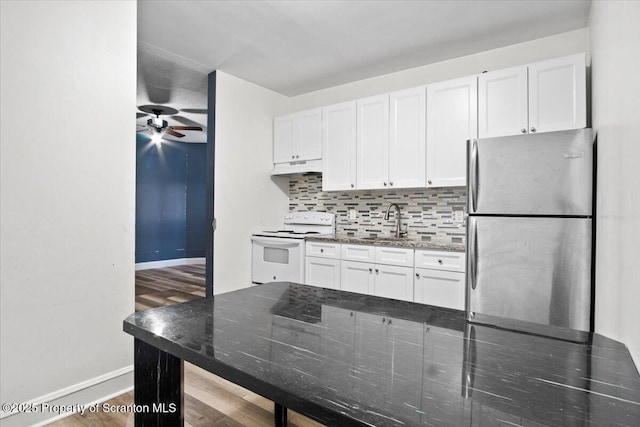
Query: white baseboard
[
  {"x": 86, "y": 393},
  {"x": 168, "y": 263}
]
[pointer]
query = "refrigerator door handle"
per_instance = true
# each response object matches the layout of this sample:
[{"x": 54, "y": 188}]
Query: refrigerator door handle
[
  {"x": 472, "y": 256},
  {"x": 473, "y": 174}
]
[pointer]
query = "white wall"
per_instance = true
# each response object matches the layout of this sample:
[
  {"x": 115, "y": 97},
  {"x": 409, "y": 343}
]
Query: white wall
[
  {"x": 504, "y": 57},
  {"x": 615, "y": 50},
  {"x": 246, "y": 198},
  {"x": 68, "y": 75}
]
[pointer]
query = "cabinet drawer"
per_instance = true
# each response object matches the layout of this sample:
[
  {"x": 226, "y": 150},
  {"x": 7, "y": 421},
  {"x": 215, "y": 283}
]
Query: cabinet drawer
[
  {"x": 394, "y": 256},
  {"x": 439, "y": 288},
  {"x": 358, "y": 253},
  {"x": 440, "y": 260},
  {"x": 323, "y": 250}
]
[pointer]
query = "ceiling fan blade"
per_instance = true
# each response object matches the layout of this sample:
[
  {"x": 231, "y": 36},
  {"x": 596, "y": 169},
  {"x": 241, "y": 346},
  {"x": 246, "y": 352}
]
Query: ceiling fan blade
[
  {"x": 176, "y": 134},
  {"x": 195, "y": 110},
  {"x": 141, "y": 128},
  {"x": 140, "y": 115},
  {"x": 186, "y": 128}
]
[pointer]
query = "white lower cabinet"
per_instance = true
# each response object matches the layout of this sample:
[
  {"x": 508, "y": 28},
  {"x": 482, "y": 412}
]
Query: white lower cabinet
[
  {"x": 388, "y": 271},
  {"x": 323, "y": 272},
  {"x": 322, "y": 264},
  {"x": 387, "y": 281},
  {"x": 439, "y": 288},
  {"x": 394, "y": 282},
  {"x": 357, "y": 277}
]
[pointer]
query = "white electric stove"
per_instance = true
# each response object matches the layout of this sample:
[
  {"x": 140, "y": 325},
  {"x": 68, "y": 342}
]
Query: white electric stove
[{"x": 278, "y": 256}]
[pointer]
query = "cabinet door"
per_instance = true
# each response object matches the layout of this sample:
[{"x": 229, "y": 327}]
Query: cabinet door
[
  {"x": 393, "y": 282},
  {"x": 372, "y": 137},
  {"x": 356, "y": 277},
  {"x": 440, "y": 288},
  {"x": 502, "y": 102},
  {"x": 323, "y": 272},
  {"x": 557, "y": 94},
  {"x": 308, "y": 139},
  {"x": 452, "y": 119},
  {"x": 283, "y": 136},
  {"x": 407, "y": 138},
  {"x": 339, "y": 147}
]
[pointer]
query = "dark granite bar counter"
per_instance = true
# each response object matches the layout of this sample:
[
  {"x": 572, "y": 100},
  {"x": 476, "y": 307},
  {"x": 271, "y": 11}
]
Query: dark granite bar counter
[
  {"x": 350, "y": 359},
  {"x": 400, "y": 242}
]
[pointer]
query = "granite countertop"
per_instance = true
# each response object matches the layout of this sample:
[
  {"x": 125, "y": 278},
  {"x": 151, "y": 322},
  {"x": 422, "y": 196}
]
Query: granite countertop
[
  {"x": 351, "y": 359},
  {"x": 401, "y": 242}
]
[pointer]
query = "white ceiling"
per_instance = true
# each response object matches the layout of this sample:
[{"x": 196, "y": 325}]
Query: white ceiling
[{"x": 294, "y": 47}]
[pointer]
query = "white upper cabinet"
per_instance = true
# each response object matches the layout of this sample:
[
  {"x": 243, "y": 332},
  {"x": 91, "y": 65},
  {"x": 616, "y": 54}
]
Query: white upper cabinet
[
  {"x": 452, "y": 119},
  {"x": 283, "y": 139},
  {"x": 557, "y": 94},
  {"x": 339, "y": 147},
  {"x": 502, "y": 102},
  {"x": 298, "y": 136},
  {"x": 372, "y": 138},
  {"x": 544, "y": 96},
  {"x": 407, "y": 139}
]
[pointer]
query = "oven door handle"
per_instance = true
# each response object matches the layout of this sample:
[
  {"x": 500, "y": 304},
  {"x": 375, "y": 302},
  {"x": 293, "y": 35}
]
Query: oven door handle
[{"x": 275, "y": 242}]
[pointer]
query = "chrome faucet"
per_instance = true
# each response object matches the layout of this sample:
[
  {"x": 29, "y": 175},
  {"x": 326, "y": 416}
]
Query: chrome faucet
[{"x": 399, "y": 232}]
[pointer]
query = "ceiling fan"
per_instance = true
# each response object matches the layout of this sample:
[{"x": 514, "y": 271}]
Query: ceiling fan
[{"x": 159, "y": 125}]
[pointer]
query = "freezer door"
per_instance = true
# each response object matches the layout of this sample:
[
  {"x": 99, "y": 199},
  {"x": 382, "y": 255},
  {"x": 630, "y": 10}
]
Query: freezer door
[
  {"x": 539, "y": 174},
  {"x": 531, "y": 270}
]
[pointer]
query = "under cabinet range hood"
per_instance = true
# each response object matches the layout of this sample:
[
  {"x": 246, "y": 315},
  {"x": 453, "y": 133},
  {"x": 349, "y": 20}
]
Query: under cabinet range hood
[{"x": 297, "y": 168}]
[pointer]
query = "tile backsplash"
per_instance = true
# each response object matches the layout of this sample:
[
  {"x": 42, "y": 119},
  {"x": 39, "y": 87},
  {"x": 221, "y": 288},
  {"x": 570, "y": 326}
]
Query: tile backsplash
[{"x": 428, "y": 212}]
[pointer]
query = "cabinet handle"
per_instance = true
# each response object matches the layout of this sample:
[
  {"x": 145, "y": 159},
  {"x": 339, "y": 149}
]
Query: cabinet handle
[
  {"x": 297, "y": 156},
  {"x": 293, "y": 157},
  {"x": 371, "y": 270},
  {"x": 417, "y": 275},
  {"x": 385, "y": 184},
  {"x": 440, "y": 261},
  {"x": 390, "y": 183},
  {"x": 352, "y": 185},
  {"x": 523, "y": 130},
  {"x": 533, "y": 129},
  {"x": 377, "y": 271},
  {"x": 321, "y": 251},
  {"x": 429, "y": 181},
  {"x": 384, "y": 320}
]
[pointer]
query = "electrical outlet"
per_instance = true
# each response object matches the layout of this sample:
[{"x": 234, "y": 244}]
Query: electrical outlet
[
  {"x": 352, "y": 214},
  {"x": 458, "y": 216}
]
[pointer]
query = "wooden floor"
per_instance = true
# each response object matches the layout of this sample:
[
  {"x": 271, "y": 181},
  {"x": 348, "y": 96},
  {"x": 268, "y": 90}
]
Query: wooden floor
[{"x": 209, "y": 400}]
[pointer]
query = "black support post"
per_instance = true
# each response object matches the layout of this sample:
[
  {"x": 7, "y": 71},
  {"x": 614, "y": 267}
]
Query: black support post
[
  {"x": 280, "y": 413},
  {"x": 158, "y": 387}
]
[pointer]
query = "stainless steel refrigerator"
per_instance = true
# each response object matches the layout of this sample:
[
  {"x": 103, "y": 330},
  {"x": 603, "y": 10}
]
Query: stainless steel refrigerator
[{"x": 529, "y": 232}]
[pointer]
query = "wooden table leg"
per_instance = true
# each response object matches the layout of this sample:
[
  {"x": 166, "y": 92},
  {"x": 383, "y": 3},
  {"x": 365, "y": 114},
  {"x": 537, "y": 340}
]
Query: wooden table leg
[
  {"x": 280, "y": 413},
  {"x": 158, "y": 387}
]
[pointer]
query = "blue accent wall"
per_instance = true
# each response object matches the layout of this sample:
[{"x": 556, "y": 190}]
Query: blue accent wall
[
  {"x": 196, "y": 230},
  {"x": 168, "y": 185}
]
